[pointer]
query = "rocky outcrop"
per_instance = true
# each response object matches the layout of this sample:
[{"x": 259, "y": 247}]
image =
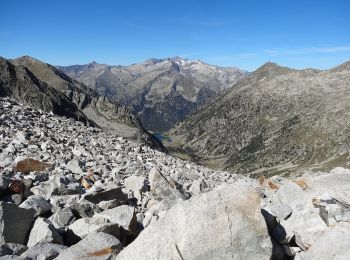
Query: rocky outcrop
[
  {"x": 161, "y": 92},
  {"x": 276, "y": 120},
  {"x": 20, "y": 83}
]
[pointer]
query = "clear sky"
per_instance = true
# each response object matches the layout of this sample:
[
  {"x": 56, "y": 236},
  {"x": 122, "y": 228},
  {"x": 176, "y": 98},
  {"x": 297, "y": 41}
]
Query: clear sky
[{"x": 294, "y": 33}]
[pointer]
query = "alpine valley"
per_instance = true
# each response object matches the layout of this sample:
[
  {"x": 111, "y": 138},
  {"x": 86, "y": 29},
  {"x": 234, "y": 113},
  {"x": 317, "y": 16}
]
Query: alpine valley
[{"x": 254, "y": 165}]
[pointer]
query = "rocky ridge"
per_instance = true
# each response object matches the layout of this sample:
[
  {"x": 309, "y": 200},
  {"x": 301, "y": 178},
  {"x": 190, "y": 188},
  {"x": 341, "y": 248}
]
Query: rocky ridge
[
  {"x": 45, "y": 87},
  {"x": 70, "y": 191},
  {"x": 161, "y": 92},
  {"x": 276, "y": 120}
]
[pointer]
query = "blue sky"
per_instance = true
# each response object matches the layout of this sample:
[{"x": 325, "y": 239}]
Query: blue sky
[{"x": 247, "y": 33}]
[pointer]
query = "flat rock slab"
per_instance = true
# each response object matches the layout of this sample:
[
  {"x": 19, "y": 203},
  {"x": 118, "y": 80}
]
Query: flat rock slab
[
  {"x": 97, "y": 197},
  {"x": 44, "y": 251},
  {"x": 94, "y": 246},
  {"x": 15, "y": 223}
]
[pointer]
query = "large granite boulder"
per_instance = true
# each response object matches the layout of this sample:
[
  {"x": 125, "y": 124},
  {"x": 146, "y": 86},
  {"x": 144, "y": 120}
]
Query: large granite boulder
[{"x": 223, "y": 224}]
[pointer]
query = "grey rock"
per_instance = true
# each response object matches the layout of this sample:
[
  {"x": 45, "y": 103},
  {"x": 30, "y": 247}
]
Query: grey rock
[
  {"x": 62, "y": 218},
  {"x": 43, "y": 232},
  {"x": 44, "y": 189},
  {"x": 44, "y": 251},
  {"x": 84, "y": 208},
  {"x": 12, "y": 249},
  {"x": 75, "y": 166},
  {"x": 137, "y": 184},
  {"x": 198, "y": 186},
  {"x": 4, "y": 184},
  {"x": 162, "y": 188},
  {"x": 94, "y": 246},
  {"x": 13, "y": 198},
  {"x": 282, "y": 211},
  {"x": 39, "y": 204},
  {"x": 114, "y": 193},
  {"x": 108, "y": 204},
  {"x": 15, "y": 223},
  {"x": 124, "y": 216},
  {"x": 84, "y": 226},
  {"x": 231, "y": 213}
]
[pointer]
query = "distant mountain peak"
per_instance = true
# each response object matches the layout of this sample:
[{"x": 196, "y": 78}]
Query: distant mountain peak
[{"x": 342, "y": 67}]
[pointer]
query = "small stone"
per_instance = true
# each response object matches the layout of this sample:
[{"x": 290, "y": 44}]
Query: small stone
[
  {"x": 109, "y": 204},
  {"x": 198, "y": 186},
  {"x": 75, "y": 166}
]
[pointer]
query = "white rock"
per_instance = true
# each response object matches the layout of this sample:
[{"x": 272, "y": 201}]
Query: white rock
[
  {"x": 43, "y": 232},
  {"x": 226, "y": 222}
]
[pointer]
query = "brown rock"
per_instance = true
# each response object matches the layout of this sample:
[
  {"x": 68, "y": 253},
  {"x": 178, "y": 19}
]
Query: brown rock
[
  {"x": 29, "y": 165},
  {"x": 17, "y": 186}
]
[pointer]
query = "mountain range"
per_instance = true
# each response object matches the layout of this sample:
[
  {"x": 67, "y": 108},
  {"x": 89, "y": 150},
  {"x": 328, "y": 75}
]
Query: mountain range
[
  {"x": 275, "y": 120},
  {"x": 161, "y": 92}
]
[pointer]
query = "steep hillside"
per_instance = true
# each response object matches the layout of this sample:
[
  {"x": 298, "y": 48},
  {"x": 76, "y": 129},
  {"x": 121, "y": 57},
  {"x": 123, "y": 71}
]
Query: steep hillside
[
  {"x": 20, "y": 83},
  {"x": 275, "y": 120},
  {"x": 160, "y": 91},
  {"x": 69, "y": 191},
  {"x": 105, "y": 113}
]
